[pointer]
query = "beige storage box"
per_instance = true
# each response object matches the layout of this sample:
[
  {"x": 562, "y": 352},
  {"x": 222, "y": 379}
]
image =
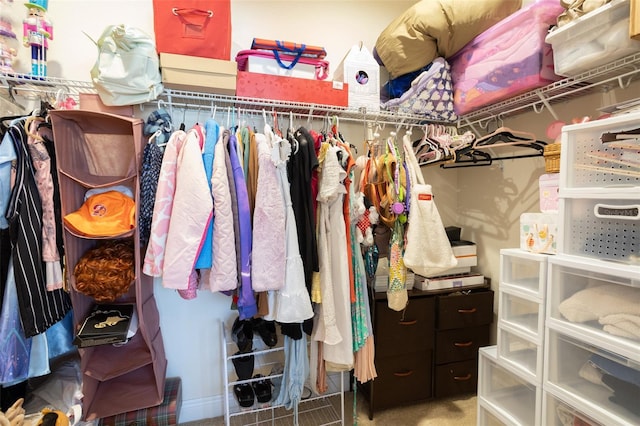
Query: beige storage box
[{"x": 182, "y": 72}]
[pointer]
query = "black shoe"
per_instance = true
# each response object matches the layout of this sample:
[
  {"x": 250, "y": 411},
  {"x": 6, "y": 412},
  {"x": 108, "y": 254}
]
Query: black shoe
[
  {"x": 244, "y": 366},
  {"x": 266, "y": 330},
  {"x": 244, "y": 394},
  {"x": 242, "y": 334},
  {"x": 262, "y": 389}
]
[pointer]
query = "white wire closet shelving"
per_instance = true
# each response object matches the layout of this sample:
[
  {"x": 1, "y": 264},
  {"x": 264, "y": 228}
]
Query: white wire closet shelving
[{"x": 619, "y": 73}]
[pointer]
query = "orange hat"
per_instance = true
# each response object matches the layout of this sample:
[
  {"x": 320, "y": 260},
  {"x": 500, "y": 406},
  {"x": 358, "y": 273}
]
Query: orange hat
[{"x": 103, "y": 215}]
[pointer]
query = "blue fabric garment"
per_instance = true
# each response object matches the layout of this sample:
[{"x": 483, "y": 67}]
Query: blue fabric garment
[
  {"x": 396, "y": 87},
  {"x": 614, "y": 369},
  {"x": 60, "y": 337},
  {"x": 15, "y": 348},
  {"x": 247, "y": 307},
  {"x": 212, "y": 133},
  {"x": 39, "y": 356},
  {"x": 296, "y": 370},
  {"x": 7, "y": 155}
]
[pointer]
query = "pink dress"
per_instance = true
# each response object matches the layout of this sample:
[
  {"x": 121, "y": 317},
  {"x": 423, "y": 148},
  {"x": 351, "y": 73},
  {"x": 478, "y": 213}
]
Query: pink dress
[
  {"x": 269, "y": 245},
  {"x": 42, "y": 166}
]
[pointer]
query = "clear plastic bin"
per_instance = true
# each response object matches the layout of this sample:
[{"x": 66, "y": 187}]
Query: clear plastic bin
[
  {"x": 524, "y": 271},
  {"x": 509, "y": 395},
  {"x": 595, "y": 299},
  {"x": 594, "y": 39},
  {"x": 521, "y": 314},
  {"x": 557, "y": 413},
  {"x": 570, "y": 374},
  {"x": 522, "y": 354}
]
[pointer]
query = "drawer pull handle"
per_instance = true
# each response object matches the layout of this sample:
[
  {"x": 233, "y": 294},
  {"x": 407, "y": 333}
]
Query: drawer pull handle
[
  {"x": 404, "y": 374},
  {"x": 467, "y": 311},
  {"x": 414, "y": 322},
  {"x": 463, "y": 344},
  {"x": 462, "y": 378},
  {"x": 607, "y": 211}
]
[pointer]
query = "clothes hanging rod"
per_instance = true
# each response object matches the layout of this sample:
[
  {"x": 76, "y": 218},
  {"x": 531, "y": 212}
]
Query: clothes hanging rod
[{"x": 197, "y": 100}]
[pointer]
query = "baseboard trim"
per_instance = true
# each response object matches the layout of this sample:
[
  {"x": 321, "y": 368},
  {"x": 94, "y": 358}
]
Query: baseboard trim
[{"x": 201, "y": 408}]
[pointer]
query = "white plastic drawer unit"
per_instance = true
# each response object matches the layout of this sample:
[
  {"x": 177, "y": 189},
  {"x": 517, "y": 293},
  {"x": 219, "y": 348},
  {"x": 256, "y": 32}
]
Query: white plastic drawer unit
[
  {"x": 520, "y": 353},
  {"x": 600, "y": 300},
  {"x": 486, "y": 417},
  {"x": 601, "y": 229},
  {"x": 597, "y": 382},
  {"x": 523, "y": 271},
  {"x": 597, "y": 156},
  {"x": 557, "y": 413},
  {"x": 509, "y": 396},
  {"x": 522, "y": 314}
]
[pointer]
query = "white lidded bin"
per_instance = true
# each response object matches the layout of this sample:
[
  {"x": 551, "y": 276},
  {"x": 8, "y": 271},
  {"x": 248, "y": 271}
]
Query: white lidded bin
[
  {"x": 596, "y": 38},
  {"x": 505, "y": 393},
  {"x": 572, "y": 364},
  {"x": 598, "y": 300},
  {"x": 523, "y": 271}
]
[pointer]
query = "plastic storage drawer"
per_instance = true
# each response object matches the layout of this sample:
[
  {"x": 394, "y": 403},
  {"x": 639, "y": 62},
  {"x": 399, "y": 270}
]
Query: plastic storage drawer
[
  {"x": 487, "y": 417},
  {"x": 557, "y": 413},
  {"x": 594, "y": 39},
  {"x": 522, "y": 354},
  {"x": 523, "y": 271},
  {"x": 597, "y": 300},
  {"x": 585, "y": 376},
  {"x": 505, "y": 393},
  {"x": 521, "y": 314},
  {"x": 592, "y": 168},
  {"x": 600, "y": 228}
]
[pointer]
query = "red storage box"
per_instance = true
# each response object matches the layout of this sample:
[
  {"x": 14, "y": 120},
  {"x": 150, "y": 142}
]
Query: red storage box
[
  {"x": 506, "y": 60},
  {"x": 291, "y": 89}
]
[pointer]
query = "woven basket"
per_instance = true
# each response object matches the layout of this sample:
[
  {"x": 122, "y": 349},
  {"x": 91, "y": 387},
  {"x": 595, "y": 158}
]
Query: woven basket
[{"x": 552, "y": 158}]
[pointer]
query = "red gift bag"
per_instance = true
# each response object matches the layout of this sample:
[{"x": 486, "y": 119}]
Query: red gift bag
[{"x": 193, "y": 27}]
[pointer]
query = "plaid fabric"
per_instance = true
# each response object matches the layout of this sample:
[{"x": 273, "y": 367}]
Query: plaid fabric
[
  {"x": 159, "y": 120},
  {"x": 165, "y": 414}
]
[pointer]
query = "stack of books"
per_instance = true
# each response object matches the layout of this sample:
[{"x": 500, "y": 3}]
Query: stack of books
[
  {"x": 382, "y": 276},
  {"x": 459, "y": 276},
  {"x": 107, "y": 324}
]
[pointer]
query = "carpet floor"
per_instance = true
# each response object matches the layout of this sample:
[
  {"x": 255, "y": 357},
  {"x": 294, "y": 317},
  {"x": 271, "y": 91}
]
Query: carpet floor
[{"x": 457, "y": 411}]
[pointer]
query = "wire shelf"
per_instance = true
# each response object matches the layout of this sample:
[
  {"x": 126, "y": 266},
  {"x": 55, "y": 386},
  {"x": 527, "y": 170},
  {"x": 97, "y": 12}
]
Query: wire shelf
[{"x": 619, "y": 73}]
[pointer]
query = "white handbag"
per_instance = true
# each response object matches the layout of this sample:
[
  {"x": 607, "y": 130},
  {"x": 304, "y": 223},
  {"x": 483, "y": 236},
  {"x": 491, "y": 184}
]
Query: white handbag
[{"x": 427, "y": 250}]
